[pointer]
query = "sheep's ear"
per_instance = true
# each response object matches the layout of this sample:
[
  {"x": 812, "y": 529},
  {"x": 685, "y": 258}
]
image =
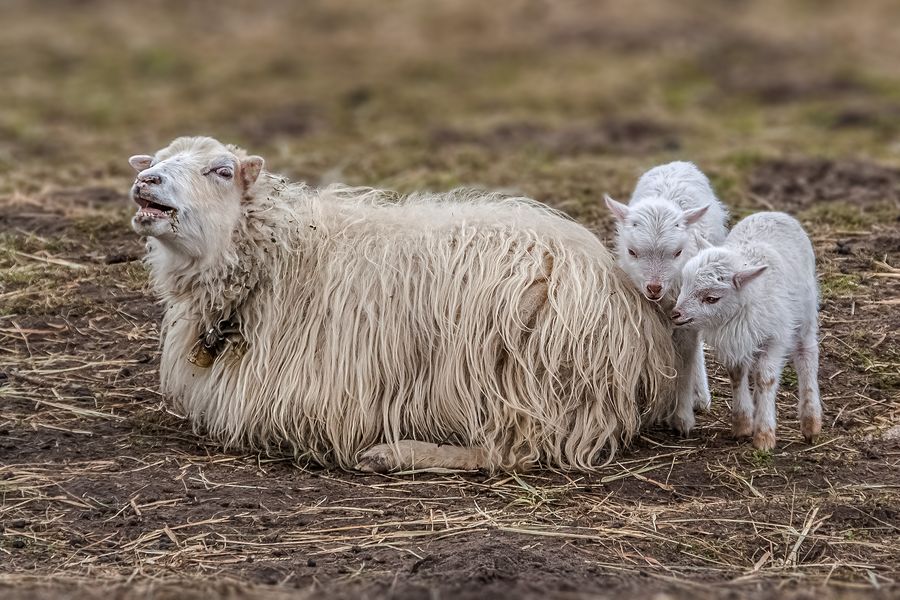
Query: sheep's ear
[
  {"x": 250, "y": 170},
  {"x": 140, "y": 162},
  {"x": 619, "y": 210},
  {"x": 695, "y": 214},
  {"x": 742, "y": 278}
]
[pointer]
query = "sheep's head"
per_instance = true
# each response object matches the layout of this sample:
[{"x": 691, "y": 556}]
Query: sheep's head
[
  {"x": 653, "y": 242},
  {"x": 712, "y": 284},
  {"x": 189, "y": 194}
]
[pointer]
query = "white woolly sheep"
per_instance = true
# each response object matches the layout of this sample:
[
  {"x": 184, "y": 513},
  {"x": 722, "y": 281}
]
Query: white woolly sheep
[
  {"x": 656, "y": 233},
  {"x": 755, "y": 300},
  {"x": 354, "y": 328}
]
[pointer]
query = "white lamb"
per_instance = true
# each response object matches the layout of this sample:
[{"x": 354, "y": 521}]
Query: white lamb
[
  {"x": 355, "y": 328},
  {"x": 657, "y": 232},
  {"x": 755, "y": 301}
]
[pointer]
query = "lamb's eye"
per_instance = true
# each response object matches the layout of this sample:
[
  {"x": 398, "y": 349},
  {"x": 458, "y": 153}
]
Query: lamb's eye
[
  {"x": 677, "y": 254},
  {"x": 224, "y": 172},
  {"x": 710, "y": 300},
  {"x": 632, "y": 252}
]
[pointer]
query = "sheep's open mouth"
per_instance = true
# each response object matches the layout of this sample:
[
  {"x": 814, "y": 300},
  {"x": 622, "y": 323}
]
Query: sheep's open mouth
[
  {"x": 151, "y": 209},
  {"x": 684, "y": 322}
]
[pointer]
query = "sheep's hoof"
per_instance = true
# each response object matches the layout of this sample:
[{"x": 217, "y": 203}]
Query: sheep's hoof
[
  {"x": 683, "y": 424},
  {"x": 702, "y": 401},
  {"x": 810, "y": 427},
  {"x": 764, "y": 439},
  {"x": 377, "y": 459},
  {"x": 741, "y": 426}
]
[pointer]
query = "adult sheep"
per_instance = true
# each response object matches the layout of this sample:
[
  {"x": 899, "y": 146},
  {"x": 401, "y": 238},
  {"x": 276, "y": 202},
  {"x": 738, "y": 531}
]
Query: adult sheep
[{"x": 358, "y": 329}]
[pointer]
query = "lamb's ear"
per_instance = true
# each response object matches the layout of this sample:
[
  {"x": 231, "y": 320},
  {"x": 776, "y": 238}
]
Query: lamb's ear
[
  {"x": 695, "y": 214},
  {"x": 250, "y": 170},
  {"x": 140, "y": 162},
  {"x": 619, "y": 210},
  {"x": 742, "y": 278},
  {"x": 702, "y": 242}
]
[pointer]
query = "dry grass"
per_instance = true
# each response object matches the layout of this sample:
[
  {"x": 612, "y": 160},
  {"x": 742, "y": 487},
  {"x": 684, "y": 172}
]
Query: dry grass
[
  {"x": 109, "y": 484},
  {"x": 101, "y": 482}
]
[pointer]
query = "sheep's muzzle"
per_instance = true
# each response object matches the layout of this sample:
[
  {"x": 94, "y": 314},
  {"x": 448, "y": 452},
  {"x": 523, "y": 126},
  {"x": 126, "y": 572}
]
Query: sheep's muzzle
[{"x": 151, "y": 209}]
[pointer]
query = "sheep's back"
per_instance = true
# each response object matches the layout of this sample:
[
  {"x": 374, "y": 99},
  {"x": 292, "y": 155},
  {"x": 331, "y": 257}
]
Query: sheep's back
[{"x": 499, "y": 324}]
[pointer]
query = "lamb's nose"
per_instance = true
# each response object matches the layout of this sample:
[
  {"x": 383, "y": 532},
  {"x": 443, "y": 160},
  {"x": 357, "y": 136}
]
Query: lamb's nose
[
  {"x": 654, "y": 289},
  {"x": 150, "y": 179},
  {"x": 675, "y": 316}
]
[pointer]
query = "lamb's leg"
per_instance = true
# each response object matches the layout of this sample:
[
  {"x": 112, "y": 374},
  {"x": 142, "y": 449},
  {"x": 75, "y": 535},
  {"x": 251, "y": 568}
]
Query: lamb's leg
[
  {"x": 741, "y": 402},
  {"x": 686, "y": 343},
  {"x": 702, "y": 398},
  {"x": 410, "y": 454},
  {"x": 809, "y": 407},
  {"x": 766, "y": 373}
]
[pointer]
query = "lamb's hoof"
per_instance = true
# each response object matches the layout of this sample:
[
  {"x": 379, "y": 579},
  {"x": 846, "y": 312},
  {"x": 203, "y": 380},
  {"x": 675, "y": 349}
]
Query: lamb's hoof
[
  {"x": 377, "y": 459},
  {"x": 702, "y": 401},
  {"x": 764, "y": 439},
  {"x": 741, "y": 426},
  {"x": 683, "y": 424},
  {"x": 810, "y": 427}
]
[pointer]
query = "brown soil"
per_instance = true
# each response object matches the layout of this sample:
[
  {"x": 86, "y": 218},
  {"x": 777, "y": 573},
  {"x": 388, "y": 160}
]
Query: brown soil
[
  {"x": 637, "y": 136},
  {"x": 101, "y": 479},
  {"x": 804, "y": 183},
  {"x": 106, "y": 492}
]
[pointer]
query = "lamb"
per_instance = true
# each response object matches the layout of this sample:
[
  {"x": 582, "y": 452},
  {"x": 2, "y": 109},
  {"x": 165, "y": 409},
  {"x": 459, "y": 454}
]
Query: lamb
[
  {"x": 755, "y": 301},
  {"x": 353, "y": 328},
  {"x": 657, "y": 232}
]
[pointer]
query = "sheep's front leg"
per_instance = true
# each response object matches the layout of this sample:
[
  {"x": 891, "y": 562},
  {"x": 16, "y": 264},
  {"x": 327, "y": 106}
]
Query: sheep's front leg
[
  {"x": 410, "y": 454},
  {"x": 766, "y": 373},
  {"x": 686, "y": 343},
  {"x": 702, "y": 398},
  {"x": 741, "y": 402},
  {"x": 809, "y": 408}
]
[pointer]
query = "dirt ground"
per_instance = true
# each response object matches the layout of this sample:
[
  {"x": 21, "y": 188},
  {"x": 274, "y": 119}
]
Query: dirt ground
[{"x": 106, "y": 492}]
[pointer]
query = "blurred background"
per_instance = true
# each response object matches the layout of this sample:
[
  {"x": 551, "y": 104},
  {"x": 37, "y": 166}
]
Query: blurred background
[
  {"x": 559, "y": 100},
  {"x": 786, "y": 105}
]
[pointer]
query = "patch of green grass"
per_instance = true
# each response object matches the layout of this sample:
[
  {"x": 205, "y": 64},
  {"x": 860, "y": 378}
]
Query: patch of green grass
[
  {"x": 875, "y": 358},
  {"x": 761, "y": 458},
  {"x": 845, "y": 215},
  {"x": 160, "y": 62},
  {"x": 746, "y": 159},
  {"x": 101, "y": 225},
  {"x": 33, "y": 291},
  {"x": 883, "y": 366},
  {"x": 136, "y": 275},
  {"x": 20, "y": 276},
  {"x": 30, "y": 286},
  {"x": 838, "y": 286},
  {"x": 686, "y": 83},
  {"x": 789, "y": 378},
  {"x": 724, "y": 184},
  {"x": 10, "y": 244},
  {"x": 887, "y": 379}
]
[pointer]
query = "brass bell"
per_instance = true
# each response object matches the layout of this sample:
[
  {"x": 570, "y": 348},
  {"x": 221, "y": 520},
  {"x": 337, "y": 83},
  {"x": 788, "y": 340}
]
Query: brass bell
[{"x": 200, "y": 356}]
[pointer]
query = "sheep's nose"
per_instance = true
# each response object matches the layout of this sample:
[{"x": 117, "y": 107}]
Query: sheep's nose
[
  {"x": 676, "y": 315},
  {"x": 150, "y": 179},
  {"x": 654, "y": 289}
]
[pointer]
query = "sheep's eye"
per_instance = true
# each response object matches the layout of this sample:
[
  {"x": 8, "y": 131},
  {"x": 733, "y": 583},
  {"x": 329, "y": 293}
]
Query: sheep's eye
[
  {"x": 677, "y": 254},
  {"x": 632, "y": 252},
  {"x": 711, "y": 299},
  {"x": 224, "y": 172}
]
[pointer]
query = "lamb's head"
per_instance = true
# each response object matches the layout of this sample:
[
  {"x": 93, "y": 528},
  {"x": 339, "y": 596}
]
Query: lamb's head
[
  {"x": 653, "y": 242},
  {"x": 713, "y": 287},
  {"x": 189, "y": 194}
]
